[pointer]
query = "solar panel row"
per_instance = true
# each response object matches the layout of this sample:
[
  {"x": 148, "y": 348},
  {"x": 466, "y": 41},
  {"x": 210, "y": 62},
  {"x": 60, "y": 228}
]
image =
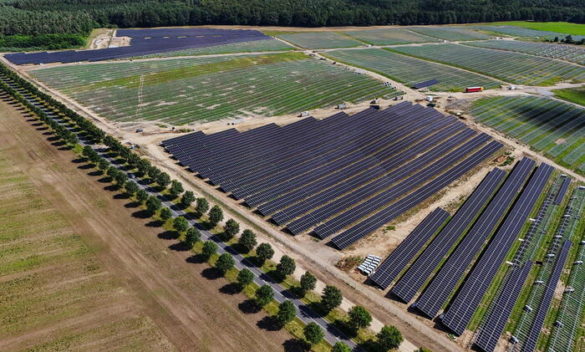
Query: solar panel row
[
  {"x": 145, "y": 42},
  {"x": 529, "y": 343},
  {"x": 501, "y": 308},
  {"x": 312, "y": 171},
  {"x": 445, "y": 281},
  {"x": 471, "y": 293},
  {"x": 425, "y": 84},
  {"x": 563, "y": 190},
  {"x": 390, "y": 213},
  {"x": 408, "y": 248}
]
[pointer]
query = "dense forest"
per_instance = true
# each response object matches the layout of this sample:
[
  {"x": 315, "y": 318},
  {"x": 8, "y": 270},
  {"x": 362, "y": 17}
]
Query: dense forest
[{"x": 34, "y": 17}]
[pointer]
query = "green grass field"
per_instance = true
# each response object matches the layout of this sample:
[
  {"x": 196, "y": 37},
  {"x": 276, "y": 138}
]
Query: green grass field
[
  {"x": 560, "y": 27},
  {"x": 508, "y": 66},
  {"x": 554, "y": 128},
  {"x": 411, "y": 70},
  {"x": 574, "y": 95},
  {"x": 55, "y": 295},
  {"x": 181, "y": 91}
]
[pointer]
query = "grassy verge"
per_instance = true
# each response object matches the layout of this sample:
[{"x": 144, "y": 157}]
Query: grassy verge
[{"x": 574, "y": 95}]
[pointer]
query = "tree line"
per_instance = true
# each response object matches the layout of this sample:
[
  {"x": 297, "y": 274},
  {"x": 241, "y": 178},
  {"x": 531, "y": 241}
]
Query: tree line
[{"x": 34, "y": 17}]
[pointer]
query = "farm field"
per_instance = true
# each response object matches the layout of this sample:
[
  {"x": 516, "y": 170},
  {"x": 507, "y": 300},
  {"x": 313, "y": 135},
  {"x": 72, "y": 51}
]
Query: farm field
[
  {"x": 390, "y": 36},
  {"x": 245, "y": 47},
  {"x": 55, "y": 294},
  {"x": 574, "y": 95},
  {"x": 559, "y": 27},
  {"x": 508, "y": 66},
  {"x": 320, "y": 40},
  {"x": 450, "y": 33},
  {"x": 571, "y": 53},
  {"x": 182, "y": 91},
  {"x": 548, "y": 126},
  {"x": 517, "y": 31},
  {"x": 411, "y": 70}
]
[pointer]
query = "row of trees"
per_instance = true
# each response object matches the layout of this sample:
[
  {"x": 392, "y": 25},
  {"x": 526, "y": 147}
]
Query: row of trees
[
  {"x": 75, "y": 16},
  {"x": 331, "y": 298}
]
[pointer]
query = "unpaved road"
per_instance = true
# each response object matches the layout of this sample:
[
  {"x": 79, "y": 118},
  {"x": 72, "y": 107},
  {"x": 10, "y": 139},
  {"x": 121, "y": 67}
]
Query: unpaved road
[{"x": 177, "y": 295}]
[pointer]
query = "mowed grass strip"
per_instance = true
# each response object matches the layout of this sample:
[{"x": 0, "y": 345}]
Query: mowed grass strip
[
  {"x": 552, "y": 127},
  {"x": 54, "y": 293},
  {"x": 574, "y": 95},
  {"x": 187, "y": 90}
]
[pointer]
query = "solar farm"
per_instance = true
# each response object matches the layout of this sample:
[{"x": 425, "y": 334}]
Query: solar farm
[
  {"x": 568, "y": 53},
  {"x": 181, "y": 91},
  {"x": 316, "y": 175},
  {"x": 549, "y": 126},
  {"x": 507, "y": 66},
  {"x": 411, "y": 70}
]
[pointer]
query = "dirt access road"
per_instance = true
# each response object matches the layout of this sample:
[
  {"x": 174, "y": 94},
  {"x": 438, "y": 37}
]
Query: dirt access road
[{"x": 179, "y": 296}]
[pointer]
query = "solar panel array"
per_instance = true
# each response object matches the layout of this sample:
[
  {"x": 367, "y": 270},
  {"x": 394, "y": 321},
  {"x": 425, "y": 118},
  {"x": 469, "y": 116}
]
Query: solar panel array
[
  {"x": 408, "y": 248},
  {"x": 358, "y": 171},
  {"x": 425, "y": 84},
  {"x": 529, "y": 343},
  {"x": 413, "y": 280},
  {"x": 562, "y": 190},
  {"x": 480, "y": 278},
  {"x": 145, "y": 42},
  {"x": 490, "y": 333},
  {"x": 445, "y": 281}
]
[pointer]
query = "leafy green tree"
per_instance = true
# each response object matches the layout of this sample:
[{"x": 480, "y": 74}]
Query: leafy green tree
[
  {"x": 209, "y": 249},
  {"x": 313, "y": 333},
  {"x": 191, "y": 237},
  {"x": 131, "y": 187},
  {"x": 103, "y": 164},
  {"x": 165, "y": 214},
  {"x": 247, "y": 240},
  {"x": 225, "y": 262},
  {"x": 141, "y": 195},
  {"x": 286, "y": 266},
  {"x": 245, "y": 277},
  {"x": 424, "y": 349},
  {"x": 286, "y": 313},
  {"x": 153, "y": 204},
  {"x": 180, "y": 224},
  {"x": 331, "y": 298},
  {"x": 308, "y": 282},
  {"x": 153, "y": 173},
  {"x": 112, "y": 172},
  {"x": 264, "y": 295},
  {"x": 163, "y": 180},
  {"x": 187, "y": 198},
  {"x": 231, "y": 228},
  {"x": 389, "y": 338},
  {"x": 176, "y": 188},
  {"x": 264, "y": 252},
  {"x": 121, "y": 179},
  {"x": 202, "y": 206},
  {"x": 359, "y": 317},
  {"x": 340, "y": 347},
  {"x": 215, "y": 215}
]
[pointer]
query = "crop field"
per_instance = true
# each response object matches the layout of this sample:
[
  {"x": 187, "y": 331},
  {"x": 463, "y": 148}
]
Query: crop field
[
  {"x": 508, "y": 66},
  {"x": 390, "y": 36},
  {"x": 450, "y": 33},
  {"x": 554, "y": 128},
  {"x": 555, "y": 51},
  {"x": 181, "y": 91},
  {"x": 55, "y": 295},
  {"x": 320, "y": 40},
  {"x": 410, "y": 70},
  {"x": 245, "y": 47}
]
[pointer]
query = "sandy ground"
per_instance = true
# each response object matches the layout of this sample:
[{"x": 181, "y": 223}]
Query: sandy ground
[{"x": 186, "y": 304}]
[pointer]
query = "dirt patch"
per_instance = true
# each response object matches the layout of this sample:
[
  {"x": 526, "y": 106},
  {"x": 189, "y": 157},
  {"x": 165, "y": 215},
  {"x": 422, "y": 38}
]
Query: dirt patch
[{"x": 188, "y": 307}]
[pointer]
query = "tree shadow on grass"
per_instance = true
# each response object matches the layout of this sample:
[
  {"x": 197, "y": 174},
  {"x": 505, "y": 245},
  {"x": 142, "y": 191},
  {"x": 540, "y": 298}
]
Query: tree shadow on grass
[
  {"x": 232, "y": 288},
  {"x": 86, "y": 166},
  {"x": 95, "y": 173},
  {"x": 144, "y": 214},
  {"x": 179, "y": 247},
  {"x": 132, "y": 204},
  {"x": 168, "y": 235},
  {"x": 249, "y": 306},
  {"x": 105, "y": 179},
  {"x": 269, "y": 324},
  {"x": 112, "y": 188},
  {"x": 296, "y": 345},
  {"x": 196, "y": 259},
  {"x": 211, "y": 273},
  {"x": 122, "y": 195}
]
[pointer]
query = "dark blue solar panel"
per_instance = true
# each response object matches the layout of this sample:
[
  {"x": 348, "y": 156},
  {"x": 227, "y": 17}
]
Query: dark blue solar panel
[
  {"x": 492, "y": 329},
  {"x": 425, "y": 84},
  {"x": 408, "y": 248},
  {"x": 469, "y": 297},
  {"x": 562, "y": 191}
]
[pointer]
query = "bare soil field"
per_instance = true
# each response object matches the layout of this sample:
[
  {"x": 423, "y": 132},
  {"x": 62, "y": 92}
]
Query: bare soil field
[{"x": 97, "y": 278}]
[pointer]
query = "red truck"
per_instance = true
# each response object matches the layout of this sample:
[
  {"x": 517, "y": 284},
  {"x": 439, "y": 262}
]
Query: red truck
[{"x": 473, "y": 89}]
